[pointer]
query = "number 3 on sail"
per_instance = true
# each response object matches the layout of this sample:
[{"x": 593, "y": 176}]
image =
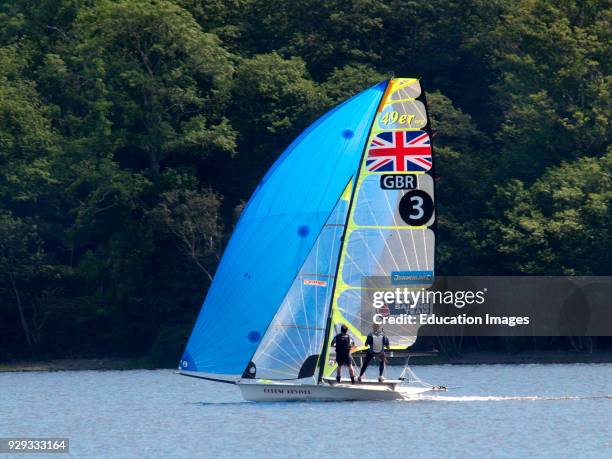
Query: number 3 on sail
[{"x": 416, "y": 208}]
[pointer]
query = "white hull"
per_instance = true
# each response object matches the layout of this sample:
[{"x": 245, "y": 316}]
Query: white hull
[{"x": 282, "y": 392}]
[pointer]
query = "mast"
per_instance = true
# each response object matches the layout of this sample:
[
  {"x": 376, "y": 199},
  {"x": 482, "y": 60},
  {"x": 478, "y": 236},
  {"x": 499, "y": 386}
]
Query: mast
[{"x": 328, "y": 324}]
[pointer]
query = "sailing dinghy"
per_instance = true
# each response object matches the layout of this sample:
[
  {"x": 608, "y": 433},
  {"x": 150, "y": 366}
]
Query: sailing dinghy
[{"x": 350, "y": 199}]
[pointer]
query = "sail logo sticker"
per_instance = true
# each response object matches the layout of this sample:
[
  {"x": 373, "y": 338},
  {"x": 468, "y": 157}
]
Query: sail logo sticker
[
  {"x": 398, "y": 181},
  {"x": 408, "y": 120},
  {"x": 403, "y": 113},
  {"x": 411, "y": 277},
  {"x": 399, "y": 151},
  {"x": 315, "y": 282}
]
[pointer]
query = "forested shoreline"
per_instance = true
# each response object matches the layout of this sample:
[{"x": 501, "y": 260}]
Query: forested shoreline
[{"x": 132, "y": 132}]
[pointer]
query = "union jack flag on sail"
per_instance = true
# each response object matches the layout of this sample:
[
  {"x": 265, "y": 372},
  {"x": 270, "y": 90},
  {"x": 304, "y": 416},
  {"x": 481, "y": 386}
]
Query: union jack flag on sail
[{"x": 399, "y": 151}]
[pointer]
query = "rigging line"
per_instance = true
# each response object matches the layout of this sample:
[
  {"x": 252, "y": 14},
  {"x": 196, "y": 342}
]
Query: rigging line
[
  {"x": 289, "y": 310},
  {"x": 209, "y": 379},
  {"x": 397, "y": 101},
  {"x": 298, "y": 327},
  {"x": 292, "y": 368},
  {"x": 315, "y": 291},
  {"x": 380, "y": 230},
  {"x": 303, "y": 309},
  {"x": 425, "y": 250},
  {"x": 388, "y": 244},
  {"x": 273, "y": 340},
  {"x": 292, "y": 362},
  {"x": 401, "y": 240},
  {"x": 316, "y": 296},
  {"x": 337, "y": 240},
  {"x": 338, "y": 201}
]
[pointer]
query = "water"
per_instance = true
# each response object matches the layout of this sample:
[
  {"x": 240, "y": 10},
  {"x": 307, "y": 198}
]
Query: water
[{"x": 499, "y": 410}]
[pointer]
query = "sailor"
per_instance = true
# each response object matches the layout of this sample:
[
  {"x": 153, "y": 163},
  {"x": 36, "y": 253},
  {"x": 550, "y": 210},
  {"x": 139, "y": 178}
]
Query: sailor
[
  {"x": 343, "y": 344},
  {"x": 376, "y": 342}
]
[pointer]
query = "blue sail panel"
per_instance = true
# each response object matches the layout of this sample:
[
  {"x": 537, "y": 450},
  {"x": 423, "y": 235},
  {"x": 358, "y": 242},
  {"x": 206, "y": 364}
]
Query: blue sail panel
[
  {"x": 274, "y": 235},
  {"x": 295, "y": 335}
]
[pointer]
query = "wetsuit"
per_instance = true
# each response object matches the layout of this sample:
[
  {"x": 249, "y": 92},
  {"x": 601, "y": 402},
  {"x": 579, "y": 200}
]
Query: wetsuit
[
  {"x": 343, "y": 345},
  {"x": 376, "y": 348}
]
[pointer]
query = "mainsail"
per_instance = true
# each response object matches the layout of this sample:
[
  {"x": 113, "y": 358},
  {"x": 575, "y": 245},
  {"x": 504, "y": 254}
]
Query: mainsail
[
  {"x": 389, "y": 233},
  {"x": 350, "y": 199}
]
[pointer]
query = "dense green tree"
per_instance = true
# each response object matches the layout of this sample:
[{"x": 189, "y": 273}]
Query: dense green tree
[
  {"x": 132, "y": 132},
  {"x": 561, "y": 224},
  {"x": 553, "y": 90},
  {"x": 149, "y": 70},
  {"x": 27, "y": 140},
  {"x": 350, "y": 80},
  {"x": 193, "y": 219},
  {"x": 325, "y": 34},
  {"x": 464, "y": 163},
  {"x": 20, "y": 262}
]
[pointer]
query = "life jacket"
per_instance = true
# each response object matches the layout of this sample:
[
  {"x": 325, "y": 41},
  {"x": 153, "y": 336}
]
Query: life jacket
[
  {"x": 343, "y": 344},
  {"x": 378, "y": 343}
]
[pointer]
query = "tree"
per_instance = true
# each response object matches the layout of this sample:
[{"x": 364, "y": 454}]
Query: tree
[
  {"x": 464, "y": 163},
  {"x": 28, "y": 143},
  {"x": 561, "y": 224},
  {"x": 553, "y": 87},
  {"x": 349, "y": 80},
  {"x": 326, "y": 35},
  {"x": 149, "y": 70},
  {"x": 193, "y": 220},
  {"x": 20, "y": 260}
]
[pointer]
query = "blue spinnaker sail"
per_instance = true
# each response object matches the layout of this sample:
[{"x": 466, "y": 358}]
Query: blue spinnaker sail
[{"x": 275, "y": 234}]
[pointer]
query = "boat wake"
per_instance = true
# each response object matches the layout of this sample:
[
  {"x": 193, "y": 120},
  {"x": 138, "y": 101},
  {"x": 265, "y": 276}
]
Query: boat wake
[{"x": 492, "y": 398}]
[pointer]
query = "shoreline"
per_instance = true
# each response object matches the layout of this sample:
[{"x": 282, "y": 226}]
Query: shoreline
[
  {"x": 77, "y": 364},
  {"x": 467, "y": 358}
]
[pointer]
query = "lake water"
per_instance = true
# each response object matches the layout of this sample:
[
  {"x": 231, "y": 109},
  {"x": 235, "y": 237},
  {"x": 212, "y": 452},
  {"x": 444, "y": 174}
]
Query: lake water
[{"x": 498, "y": 410}]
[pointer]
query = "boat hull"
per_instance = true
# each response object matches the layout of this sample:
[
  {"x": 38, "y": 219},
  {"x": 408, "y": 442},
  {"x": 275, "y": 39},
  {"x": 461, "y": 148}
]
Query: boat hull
[{"x": 269, "y": 392}]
